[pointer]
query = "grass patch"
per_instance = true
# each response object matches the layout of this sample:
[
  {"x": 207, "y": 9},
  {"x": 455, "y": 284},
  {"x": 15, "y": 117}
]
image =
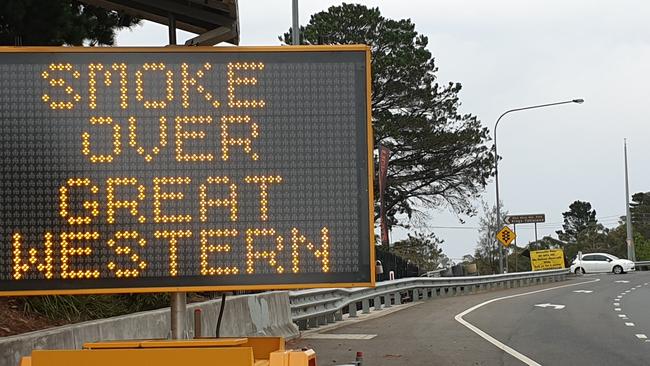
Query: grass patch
[{"x": 88, "y": 307}]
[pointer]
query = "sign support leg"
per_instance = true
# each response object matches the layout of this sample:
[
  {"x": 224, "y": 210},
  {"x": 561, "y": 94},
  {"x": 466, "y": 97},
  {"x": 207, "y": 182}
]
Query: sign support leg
[
  {"x": 515, "y": 230},
  {"x": 172, "y": 28},
  {"x": 535, "y": 232},
  {"x": 178, "y": 315},
  {"x": 178, "y": 299}
]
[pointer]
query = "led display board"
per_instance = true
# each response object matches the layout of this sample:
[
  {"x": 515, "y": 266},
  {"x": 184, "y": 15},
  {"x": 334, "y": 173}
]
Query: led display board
[{"x": 184, "y": 169}]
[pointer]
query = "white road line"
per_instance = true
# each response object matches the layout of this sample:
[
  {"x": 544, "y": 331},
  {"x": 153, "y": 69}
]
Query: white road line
[
  {"x": 617, "y": 304},
  {"x": 617, "y": 309},
  {"x": 641, "y": 336},
  {"x": 622, "y": 316},
  {"x": 629, "y": 324},
  {"x": 511, "y": 351},
  {"x": 338, "y": 336}
]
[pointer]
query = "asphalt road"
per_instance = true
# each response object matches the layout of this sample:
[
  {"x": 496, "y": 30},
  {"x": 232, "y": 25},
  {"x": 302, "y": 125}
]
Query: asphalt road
[{"x": 605, "y": 323}]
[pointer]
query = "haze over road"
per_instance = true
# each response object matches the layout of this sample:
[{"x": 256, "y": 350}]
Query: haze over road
[{"x": 589, "y": 320}]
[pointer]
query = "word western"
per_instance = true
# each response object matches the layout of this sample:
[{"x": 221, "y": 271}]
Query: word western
[{"x": 126, "y": 243}]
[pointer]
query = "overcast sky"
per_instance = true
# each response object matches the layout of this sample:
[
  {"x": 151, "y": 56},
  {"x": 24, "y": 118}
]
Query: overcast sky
[{"x": 510, "y": 54}]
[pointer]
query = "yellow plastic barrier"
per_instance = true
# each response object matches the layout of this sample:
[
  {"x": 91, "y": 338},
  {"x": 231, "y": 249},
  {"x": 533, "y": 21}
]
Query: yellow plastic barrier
[{"x": 253, "y": 351}]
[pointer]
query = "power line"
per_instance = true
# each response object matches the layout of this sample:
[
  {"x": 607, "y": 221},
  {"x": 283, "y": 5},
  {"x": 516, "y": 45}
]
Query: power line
[{"x": 454, "y": 227}]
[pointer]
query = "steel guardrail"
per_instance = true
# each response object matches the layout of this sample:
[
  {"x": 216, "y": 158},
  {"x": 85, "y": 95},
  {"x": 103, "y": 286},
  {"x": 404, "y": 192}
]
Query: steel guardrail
[
  {"x": 315, "y": 307},
  {"x": 642, "y": 264}
]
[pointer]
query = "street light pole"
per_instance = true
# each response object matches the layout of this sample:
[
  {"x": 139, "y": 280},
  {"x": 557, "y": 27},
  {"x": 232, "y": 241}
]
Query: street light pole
[{"x": 496, "y": 163}]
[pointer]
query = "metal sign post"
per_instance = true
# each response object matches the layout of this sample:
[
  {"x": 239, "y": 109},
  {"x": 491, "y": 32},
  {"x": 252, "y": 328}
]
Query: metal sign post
[
  {"x": 514, "y": 230},
  {"x": 179, "y": 315},
  {"x": 506, "y": 237}
]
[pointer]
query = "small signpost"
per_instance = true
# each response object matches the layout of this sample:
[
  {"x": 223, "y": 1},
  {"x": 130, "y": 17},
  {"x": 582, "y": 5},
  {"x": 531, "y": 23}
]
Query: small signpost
[
  {"x": 506, "y": 236},
  {"x": 525, "y": 219}
]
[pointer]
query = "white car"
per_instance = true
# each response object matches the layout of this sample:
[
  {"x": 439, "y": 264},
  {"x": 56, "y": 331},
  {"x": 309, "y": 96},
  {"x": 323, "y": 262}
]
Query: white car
[{"x": 601, "y": 262}]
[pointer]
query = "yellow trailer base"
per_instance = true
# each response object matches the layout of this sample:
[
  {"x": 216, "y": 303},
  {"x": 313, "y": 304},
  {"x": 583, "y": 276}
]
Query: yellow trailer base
[{"x": 252, "y": 351}]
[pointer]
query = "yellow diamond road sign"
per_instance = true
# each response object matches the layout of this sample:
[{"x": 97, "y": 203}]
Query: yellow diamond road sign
[{"x": 506, "y": 236}]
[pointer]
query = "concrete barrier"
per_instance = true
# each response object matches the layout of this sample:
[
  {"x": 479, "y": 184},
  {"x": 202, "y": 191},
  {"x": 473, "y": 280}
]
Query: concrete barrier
[{"x": 264, "y": 314}]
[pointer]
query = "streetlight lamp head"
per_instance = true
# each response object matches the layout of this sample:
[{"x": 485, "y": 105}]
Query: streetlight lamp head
[{"x": 579, "y": 101}]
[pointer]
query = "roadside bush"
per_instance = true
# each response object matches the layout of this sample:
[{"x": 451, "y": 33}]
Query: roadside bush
[{"x": 87, "y": 307}]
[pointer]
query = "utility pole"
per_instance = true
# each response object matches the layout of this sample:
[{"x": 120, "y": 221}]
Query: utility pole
[
  {"x": 295, "y": 28},
  {"x": 628, "y": 222}
]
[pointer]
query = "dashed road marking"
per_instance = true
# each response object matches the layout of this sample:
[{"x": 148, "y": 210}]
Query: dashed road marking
[
  {"x": 617, "y": 309},
  {"x": 617, "y": 304},
  {"x": 622, "y": 316},
  {"x": 629, "y": 324},
  {"x": 641, "y": 336}
]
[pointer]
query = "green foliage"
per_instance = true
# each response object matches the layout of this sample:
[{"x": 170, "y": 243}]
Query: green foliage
[
  {"x": 640, "y": 210},
  {"x": 59, "y": 22},
  {"x": 641, "y": 247},
  {"x": 546, "y": 242},
  {"x": 421, "y": 250},
  {"x": 516, "y": 261},
  {"x": 439, "y": 156},
  {"x": 87, "y": 307},
  {"x": 616, "y": 241},
  {"x": 487, "y": 248},
  {"x": 582, "y": 232},
  {"x": 580, "y": 220}
]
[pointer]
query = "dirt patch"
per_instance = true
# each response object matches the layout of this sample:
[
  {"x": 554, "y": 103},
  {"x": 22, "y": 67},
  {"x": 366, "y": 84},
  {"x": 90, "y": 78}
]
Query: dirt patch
[{"x": 13, "y": 320}]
